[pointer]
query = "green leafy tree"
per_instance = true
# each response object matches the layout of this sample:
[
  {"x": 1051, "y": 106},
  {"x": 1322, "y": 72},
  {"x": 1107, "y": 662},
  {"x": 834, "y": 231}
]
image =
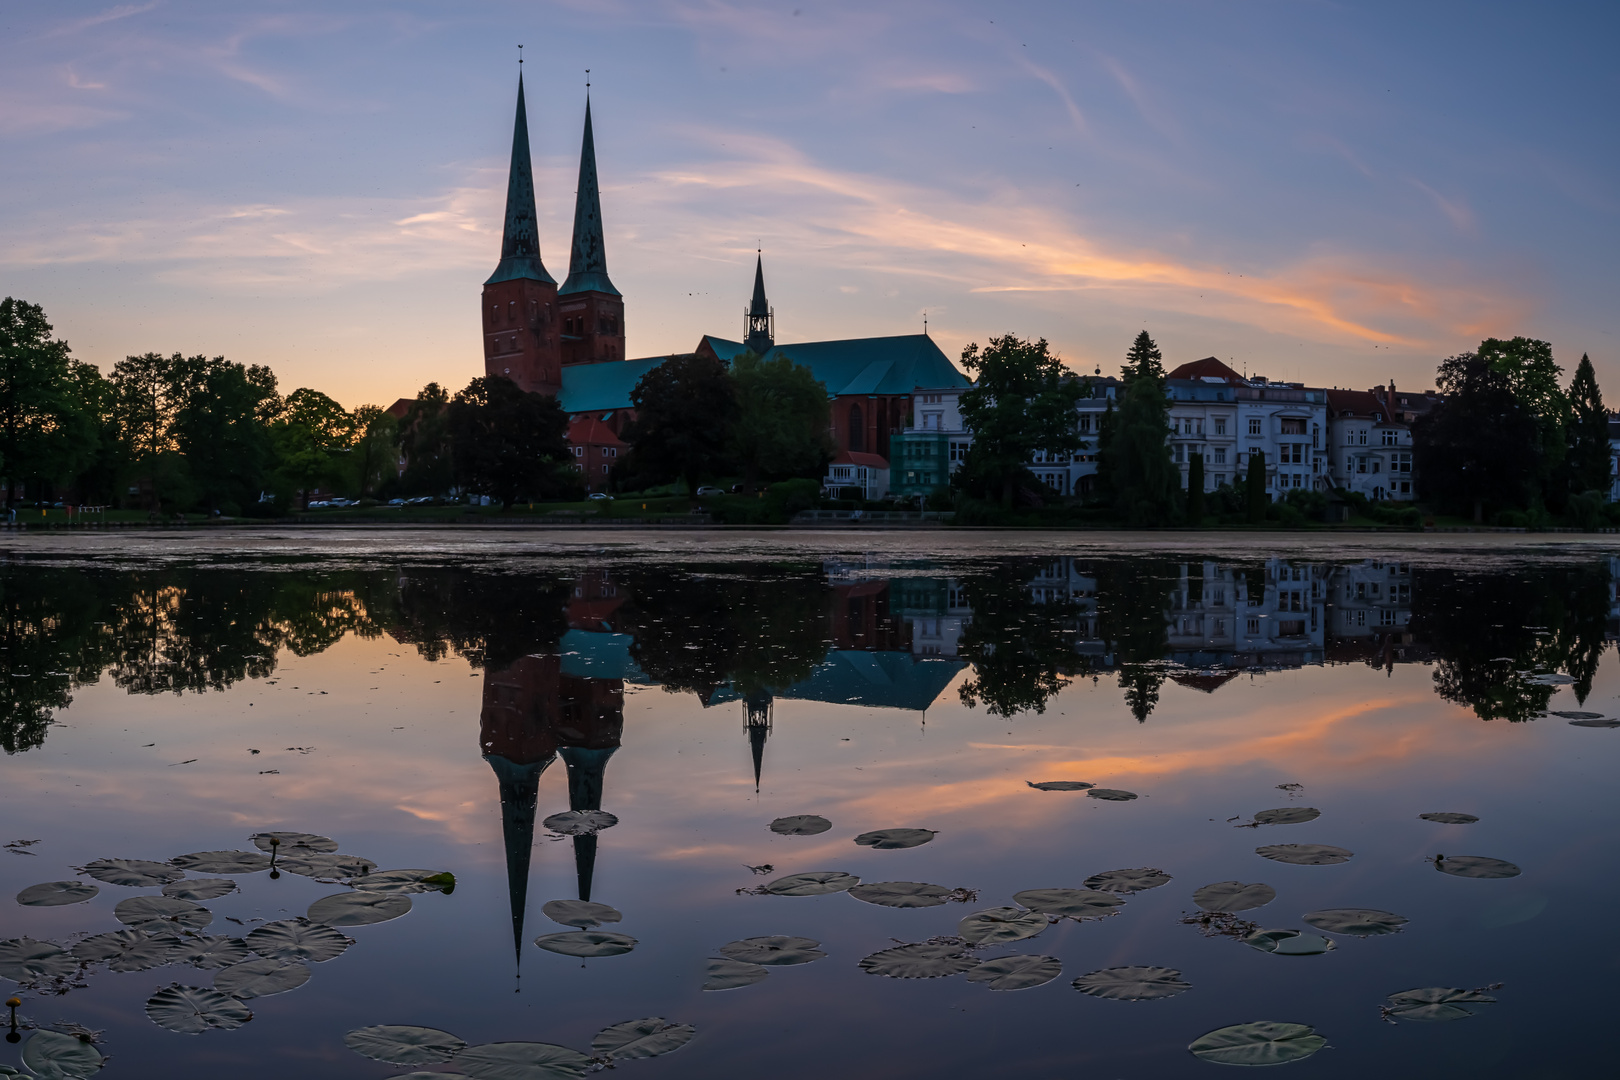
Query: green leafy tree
[
  {"x": 1144, "y": 479},
  {"x": 1132, "y": 596},
  {"x": 507, "y": 442},
  {"x": 1023, "y": 400},
  {"x": 1480, "y": 448},
  {"x": 1532, "y": 377},
  {"x": 41, "y": 436},
  {"x": 1021, "y": 648},
  {"x": 1254, "y": 487},
  {"x": 782, "y": 421},
  {"x": 1195, "y": 490},
  {"x": 150, "y": 391},
  {"x": 1106, "y": 490},
  {"x": 1588, "y": 454},
  {"x": 424, "y": 442},
  {"x": 218, "y": 430},
  {"x": 685, "y": 410},
  {"x": 374, "y": 453},
  {"x": 312, "y": 439}
]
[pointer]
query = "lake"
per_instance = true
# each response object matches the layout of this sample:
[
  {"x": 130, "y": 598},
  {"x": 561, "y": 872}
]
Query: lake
[{"x": 1003, "y": 770}]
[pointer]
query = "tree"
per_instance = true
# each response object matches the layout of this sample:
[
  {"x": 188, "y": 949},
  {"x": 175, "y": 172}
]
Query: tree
[
  {"x": 1144, "y": 479},
  {"x": 1021, "y": 648},
  {"x": 1195, "y": 490},
  {"x": 1481, "y": 447},
  {"x": 1023, "y": 401},
  {"x": 1588, "y": 454},
  {"x": 424, "y": 443},
  {"x": 685, "y": 409},
  {"x": 1143, "y": 360},
  {"x": 149, "y": 391},
  {"x": 217, "y": 428},
  {"x": 1107, "y": 425},
  {"x": 378, "y": 444},
  {"x": 506, "y": 441},
  {"x": 40, "y": 439},
  {"x": 782, "y": 420},
  {"x": 1532, "y": 378},
  {"x": 311, "y": 439},
  {"x": 1255, "y": 487}
]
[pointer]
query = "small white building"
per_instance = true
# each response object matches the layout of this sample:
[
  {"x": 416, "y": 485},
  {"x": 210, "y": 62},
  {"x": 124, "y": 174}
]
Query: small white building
[
  {"x": 1371, "y": 440},
  {"x": 854, "y": 469}
]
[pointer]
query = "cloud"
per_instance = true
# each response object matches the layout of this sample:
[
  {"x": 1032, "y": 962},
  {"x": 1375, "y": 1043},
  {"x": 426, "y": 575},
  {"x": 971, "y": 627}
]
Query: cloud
[
  {"x": 1460, "y": 216},
  {"x": 122, "y": 11}
]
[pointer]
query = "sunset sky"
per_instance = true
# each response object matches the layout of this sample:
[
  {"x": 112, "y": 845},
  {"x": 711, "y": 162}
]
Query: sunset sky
[{"x": 1336, "y": 192}]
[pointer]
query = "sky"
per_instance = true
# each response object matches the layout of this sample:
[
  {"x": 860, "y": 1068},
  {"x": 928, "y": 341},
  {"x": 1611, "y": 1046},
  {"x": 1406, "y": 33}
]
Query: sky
[{"x": 1340, "y": 193}]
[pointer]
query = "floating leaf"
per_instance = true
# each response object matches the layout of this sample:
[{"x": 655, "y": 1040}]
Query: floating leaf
[
  {"x": 1060, "y": 785},
  {"x": 642, "y": 1038},
  {"x": 925, "y": 960},
  {"x": 297, "y": 939},
  {"x": 135, "y": 873},
  {"x": 1263, "y": 1042},
  {"x": 1108, "y": 794},
  {"x": 581, "y": 913},
  {"x": 24, "y": 958},
  {"x": 586, "y": 943},
  {"x": 813, "y": 883},
  {"x": 774, "y": 950},
  {"x": 1234, "y": 896},
  {"x": 1288, "y": 815},
  {"x": 223, "y": 862},
  {"x": 326, "y": 865},
  {"x": 998, "y": 924},
  {"x": 140, "y": 910},
  {"x": 1435, "y": 1003},
  {"x": 1127, "y": 881},
  {"x": 204, "y": 888},
  {"x": 1447, "y": 818},
  {"x": 522, "y": 1061},
  {"x": 580, "y": 822},
  {"x": 1081, "y": 905},
  {"x": 730, "y": 974},
  {"x": 1576, "y": 714},
  {"x": 901, "y": 894},
  {"x": 1550, "y": 680},
  {"x": 1305, "y": 854},
  {"x": 1475, "y": 866},
  {"x": 261, "y": 978},
  {"x": 358, "y": 908},
  {"x": 404, "y": 1044},
  {"x": 405, "y": 881},
  {"x": 53, "y": 1055},
  {"x": 1132, "y": 983},
  {"x": 1601, "y": 723},
  {"x": 210, "y": 953},
  {"x": 1016, "y": 972},
  {"x": 887, "y": 839},
  {"x": 800, "y": 825},
  {"x": 1357, "y": 922},
  {"x": 293, "y": 843},
  {"x": 1289, "y": 943},
  {"x": 192, "y": 1010},
  {"x": 128, "y": 950},
  {"x": 56, "y": 893}
]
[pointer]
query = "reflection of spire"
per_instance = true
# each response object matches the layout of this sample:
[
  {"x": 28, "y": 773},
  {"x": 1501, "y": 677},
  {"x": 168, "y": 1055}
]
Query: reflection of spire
[
  {"x": 759, "y": 728},
  {"x": 520, "y": 787},
  {"x": 586, "y": 769}
]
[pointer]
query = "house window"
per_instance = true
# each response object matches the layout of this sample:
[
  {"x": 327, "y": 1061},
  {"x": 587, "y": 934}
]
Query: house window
[
  {"x": 1361, "y": 438},
  {"x": 1220, "y": 455},
  {"x": 1220, "y": 478},
  {"x": 1254, "y": 425},
  {"x": 1401, "y": 463},
  {"x": 1389, "y": 438},
  {"x": 1293, "y": 427},
  {"x": 1085, "y": 422},
  {"x": 1179, "y": 449},
  {"x": 1220, "y": 425},
  {"x": 959, "y": 451},
  {"x": 1253, "y": 626},
  {"x": 604, "y": 470},
  {"x": 1361, "y": 464}
]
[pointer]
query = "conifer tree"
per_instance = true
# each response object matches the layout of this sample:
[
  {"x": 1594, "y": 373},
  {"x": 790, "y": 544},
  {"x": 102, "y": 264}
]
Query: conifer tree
[
  {"x": 1143, "y": 358},
  {"x": 1144, "y": 480},
  {"x": 1256, "y": 486},
  {"x": 1588, "y": 432},
  {"x": 1195, "y": 490}
]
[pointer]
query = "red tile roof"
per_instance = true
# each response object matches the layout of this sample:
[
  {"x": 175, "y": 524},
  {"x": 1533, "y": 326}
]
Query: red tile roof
[
  {"x": 1207, "y": 368},
  {"x": 855, "y": 457},
  {"x": 589, "y": 431}
]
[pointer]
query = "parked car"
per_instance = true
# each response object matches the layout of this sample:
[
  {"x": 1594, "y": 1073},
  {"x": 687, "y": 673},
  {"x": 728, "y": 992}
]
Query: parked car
[
  {"x": 709, "y": 489},
  {"x": 420, "y": 500},
  {"x": 599, "y": 496},
  {"x": 319, "y": 504},
  {"x": 396, "y": 502}
]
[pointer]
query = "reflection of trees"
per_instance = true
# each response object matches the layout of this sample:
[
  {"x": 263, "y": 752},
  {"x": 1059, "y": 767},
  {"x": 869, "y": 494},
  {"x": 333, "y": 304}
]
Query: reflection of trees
[
  {"x": 52, "y": 640},
  {"x": 491, "y": 619},
  {"x": 1132, "y": 598},
  {"x": 1022, "y": 649}
]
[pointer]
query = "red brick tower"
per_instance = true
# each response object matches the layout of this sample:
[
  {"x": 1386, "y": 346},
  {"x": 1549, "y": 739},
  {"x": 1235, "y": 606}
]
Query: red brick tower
[{"x": 591, "y": 309}]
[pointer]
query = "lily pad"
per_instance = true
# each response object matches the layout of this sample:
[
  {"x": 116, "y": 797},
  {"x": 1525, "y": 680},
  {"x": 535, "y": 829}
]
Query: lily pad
[
  {"x": 192, "y": 1010},
  {"x": 1356, "y": 922},
  {"x": 1605, "y": 722},
  {"x": 774, "y": 950},
  {"x": 210, "y": 953},
  {"x": 729, "y": 974},
  {"x": 1127, "y": 881},
  {"x": 1016, "y": 972},
  {"x": 141, "y": 910},
  {"x": 57, "y": 893},
  {"x": 297, "y": 939},
  {"x": 586, "y": 943},
  {"x": 405, "y": 881},
  {"x": 641, "y": 1038},
  {"x": 128, "y": 950},
  {"x": 1234, "y": 896},
  {"x": 1476, "y": 866},
  {"x": 293, "y": 843},
  {"x": 1288, "y": 815},
  {"x": 404, "y": 1044},
  {"x": 1262, "y": 1042},
  {"x": 53, "y": 1055},
  {"x": 135, "y": 873},
  {"x": 1060, "y": 785},
  {"x": 261, "y": 978},
  {"x": 995, "y": 925},
  {"x": 580, "y": 822},
  {"x": 1576, "y": 714},
  {"x": 223, "y": 862},
  {"x": 1305, "y": 854},
  {"x": 1108, "y": 794},
  {"x": 813, "y": 883},
  {"x": 327, "y": 865},
  {"x": 1432, "y": 1004},
  {"x": 925, "y": 960},
  {"x": 800, "y": 825},
  {"x": 580, "y": 913},
  {"x": 358, "y": 908},
  {"x": 1448, "y": 818},
  {"x": 25, "y": 958},
  {"x": 1553, "y": 679},
  {"x": 203, "y": 888},
  {"x": 1081, "y": 905},
  {"x": 1289, "y": 943},
  {"x": 888, "y": 839},
  {"x": 1133, "y": 983},
  {"x": 901, "y": 894},
  {"x": 522, "y": 1061}
]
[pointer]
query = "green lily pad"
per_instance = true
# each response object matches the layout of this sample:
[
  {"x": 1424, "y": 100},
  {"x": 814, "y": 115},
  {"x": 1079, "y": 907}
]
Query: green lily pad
[
  {"x": 1262, "y": 1042},
  {"x": 210, "y": 953},
  {"x": 901, "y": 894},
  {"x": 223, "y": 862},
  {"x": 729, "y": 974},
  {"x": 297, "y": 939},
  {"x": 1305, "y": 854},
  {"x": 522, "y": 1061},
  {"x": 1577, "y": 714},
  {"x": 404, "y": 1044},
  {"x": 1448, "y": 818},
  {"x": 580, "y": 822},
  {"x": 293, "y": 843},
  {"x": 1127, "y": 881},
  {"x": 641, "y": 1038},
  {"x": 1432, "y": 1004},
  {"x": 327, "y": 866},
  {"x": 890, "y": 839},
  {"x": 203, "y": 888},
  {"x": 1234, "y": 896},
  {"x": 775, "y": 950},
  {"x": 1060, "y": 785},
  {"x": 141, "y": 910},
  {"x": 57, "y": 893},
  {"x": 800, "y": 825},
  {"x": 1288, "y": 815},
  {"x": 1357, "y": 922},
  {"x": 1108, "y": 794},
  {"x": 1289, "y": 943},
  {"x": 25, "y": 958},
  {"x": 192, "y": 1010},
  {"x": 1604, "y": 722},
  {"x": 358, "y": 908},
  {"x": 813, "y": 883},
  {"x": 405, "y": 881},
  {"x": 1016, "y": 972},
  {"x": 587, "y": 943},
  {"x": 261, "y": 978},
  {"x": 581, "y": 913},
  {"x": 128, "y": 950},
  {"x": 1132, "y": 983},
  {"x": 1081, "y": 905},
  {"x": 924, "y": 960},
  {"x": 1476, "y": 866},
  {"x": 993, "y": 926},
  {"x": 52, "y": 1055},
  {"x": 134, "y": 873}
]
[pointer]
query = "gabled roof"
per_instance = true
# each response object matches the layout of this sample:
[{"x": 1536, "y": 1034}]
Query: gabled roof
[
  {"x": 1207, "y": 368},
  {"x": 855, "y": 457},
  {"x": 1358, "y": 404},
  {"x": 590, "y": 431},
  {"x": 603, "y": 386},
  {"x": 866, "y": 366}
]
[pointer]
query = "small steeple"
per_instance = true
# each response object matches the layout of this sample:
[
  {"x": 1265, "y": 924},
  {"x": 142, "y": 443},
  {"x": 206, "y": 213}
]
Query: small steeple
[
  {"x": 586, "y": 768},
  {"x": 520, "y": 242},
  {"x": 758, "y": 707},
  {"x": 761, "y": 320},
  {"x": 587, "y": 262},
  {"x": 520, "y": 791}
]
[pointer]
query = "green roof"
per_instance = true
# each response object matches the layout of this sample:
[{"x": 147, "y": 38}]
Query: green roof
[{"x": 603, "y": 386}]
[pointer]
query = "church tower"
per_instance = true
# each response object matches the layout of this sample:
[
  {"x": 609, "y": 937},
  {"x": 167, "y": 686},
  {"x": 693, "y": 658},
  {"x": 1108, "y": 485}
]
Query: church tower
[
  {"x": 760, "y": 323},
  {"x": 521, "y": 339},
  {"x": 591, "y": 309}
]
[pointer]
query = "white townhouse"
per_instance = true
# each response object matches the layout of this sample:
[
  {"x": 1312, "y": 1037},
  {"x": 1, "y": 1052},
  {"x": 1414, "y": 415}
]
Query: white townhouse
[
  {"x": 1228, "y": 418},
  {"x": 1371, "y": 440}
]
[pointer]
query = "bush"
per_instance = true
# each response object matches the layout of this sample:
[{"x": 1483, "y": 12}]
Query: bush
[
  {"x": 1509, "y": 519},
  {"x": 1587, "y": 509}
]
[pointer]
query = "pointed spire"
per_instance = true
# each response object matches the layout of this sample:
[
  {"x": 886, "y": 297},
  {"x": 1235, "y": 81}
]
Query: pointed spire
[
  {"x": 758, "y": 707},
  {"x": 520, "y": 790},
  {"x": 587, "y": 263},
  {"x": 760, "y": 321},
  {"x": 520, "y": 241},
  {"x": 759, "y": 306},
  {"x": 587, "y": 770}
]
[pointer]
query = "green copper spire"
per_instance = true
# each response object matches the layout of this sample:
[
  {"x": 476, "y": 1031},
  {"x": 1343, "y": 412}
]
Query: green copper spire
[
  {"x": 587, "y": 263},
  {"x": 520, "y": 244}
]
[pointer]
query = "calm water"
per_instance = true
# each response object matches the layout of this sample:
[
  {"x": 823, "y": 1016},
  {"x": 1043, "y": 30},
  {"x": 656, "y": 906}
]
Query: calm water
[{"x": 431, "y": 711}]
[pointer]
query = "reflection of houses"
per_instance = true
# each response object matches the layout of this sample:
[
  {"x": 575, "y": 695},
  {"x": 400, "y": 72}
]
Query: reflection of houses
[
  {"x": 1370, "y": 605},
  {"x": 1223, "y": 617}
]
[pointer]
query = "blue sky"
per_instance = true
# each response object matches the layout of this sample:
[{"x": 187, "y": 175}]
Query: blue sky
[{"x": 1341, "y": 193}]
